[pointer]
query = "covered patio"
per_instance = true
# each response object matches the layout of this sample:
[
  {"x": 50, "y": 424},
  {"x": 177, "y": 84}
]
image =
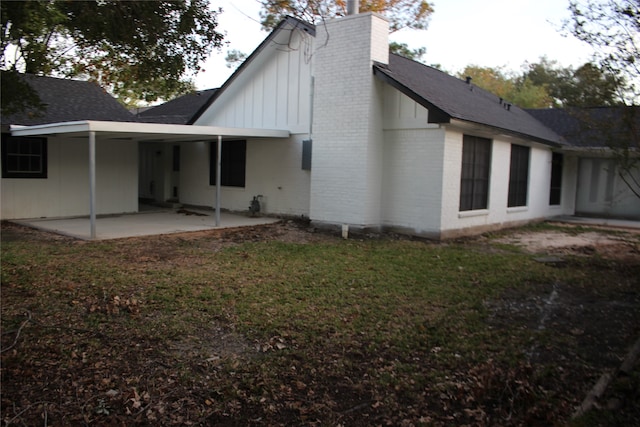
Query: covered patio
[
  {"x": 142, "y": 223},
  {"x": 146, "y": 223}
]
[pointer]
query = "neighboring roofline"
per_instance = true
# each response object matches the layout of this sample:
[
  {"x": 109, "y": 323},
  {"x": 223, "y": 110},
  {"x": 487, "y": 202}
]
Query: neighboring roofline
[
  {"x": 160, "y": 129},
  {"x": 634, "y": 152},
  {"x": 306, "y": 27},
  {"x": 575, "y": 124},
  {"x": 436, "y": 114}
]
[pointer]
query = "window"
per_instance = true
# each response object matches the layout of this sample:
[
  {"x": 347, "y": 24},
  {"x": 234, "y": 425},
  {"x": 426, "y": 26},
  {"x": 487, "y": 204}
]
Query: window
[
  {"x": 518, "y": 176},
  {"x": 474, "y": 181},
  {"x": 306, "y": 154},
  {"x": 176, "y": 158},
  {"x": 24, "y": 157},
  {"x": 234, "y": 158},
  {"x": 556, "y": 179}
]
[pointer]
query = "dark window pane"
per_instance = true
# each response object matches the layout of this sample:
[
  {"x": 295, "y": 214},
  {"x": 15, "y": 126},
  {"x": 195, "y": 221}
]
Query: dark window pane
[
  {"x": 518, "y": 176},
  {"x": 555, "y": 193},
  {"x": 24, "y": 157},
  {"x": 474, "y": 180},
  {"x": 234, "y": 160}
]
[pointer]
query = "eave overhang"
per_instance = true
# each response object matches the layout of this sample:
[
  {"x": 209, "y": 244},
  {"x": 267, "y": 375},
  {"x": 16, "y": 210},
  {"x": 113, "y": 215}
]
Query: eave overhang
[{"x": 144, "y": 131}]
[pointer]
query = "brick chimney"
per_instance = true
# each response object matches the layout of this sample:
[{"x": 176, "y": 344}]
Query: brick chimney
[{"x": 346, "y": 175}]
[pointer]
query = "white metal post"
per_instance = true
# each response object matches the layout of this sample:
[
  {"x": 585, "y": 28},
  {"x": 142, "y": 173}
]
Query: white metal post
[
  {"x": 218, "y": 179},
  {"x": 92, "y": 183}
]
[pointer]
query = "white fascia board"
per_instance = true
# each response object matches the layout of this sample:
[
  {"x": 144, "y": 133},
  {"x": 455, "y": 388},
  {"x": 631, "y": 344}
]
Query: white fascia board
[
  {"x": 49, "y": 129},
  {"x": 166, "y": 130}
]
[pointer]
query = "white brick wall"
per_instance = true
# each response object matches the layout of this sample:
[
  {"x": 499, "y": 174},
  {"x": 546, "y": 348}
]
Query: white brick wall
[
  {"x": 412, "y": 185},
  {"x": 454, "y": 222},
  {"x": 347, "y": 129}
]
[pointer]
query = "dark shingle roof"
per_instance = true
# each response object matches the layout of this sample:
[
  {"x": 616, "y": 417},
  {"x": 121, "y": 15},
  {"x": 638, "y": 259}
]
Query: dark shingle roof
[
  {"x": 448, "y": 97},
  {"x": 179, "y": 110},
  {"x": 69, "y": 100},
  {"x": 593, "y": 127}
]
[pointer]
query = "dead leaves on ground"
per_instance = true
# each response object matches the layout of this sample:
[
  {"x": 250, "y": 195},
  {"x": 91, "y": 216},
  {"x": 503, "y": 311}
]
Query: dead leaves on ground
[{"x": 109, "y": 354}]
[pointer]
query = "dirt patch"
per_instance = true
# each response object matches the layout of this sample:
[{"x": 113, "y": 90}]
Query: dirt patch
[
  {"x": 572, "y": 241},
  {"x": 585, "y": 330}
]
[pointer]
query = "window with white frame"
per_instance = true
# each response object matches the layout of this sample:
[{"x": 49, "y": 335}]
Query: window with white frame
[{"x": 474, "y": 179}]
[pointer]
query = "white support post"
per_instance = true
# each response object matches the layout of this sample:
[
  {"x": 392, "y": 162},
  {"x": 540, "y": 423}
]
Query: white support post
[
  {"x": 92, "y": 183},
  {"x": 218, "y": 179}
]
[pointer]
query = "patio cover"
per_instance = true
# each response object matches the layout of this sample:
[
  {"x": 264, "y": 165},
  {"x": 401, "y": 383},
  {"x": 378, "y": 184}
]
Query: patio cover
[{"x": 140, "y": 132}]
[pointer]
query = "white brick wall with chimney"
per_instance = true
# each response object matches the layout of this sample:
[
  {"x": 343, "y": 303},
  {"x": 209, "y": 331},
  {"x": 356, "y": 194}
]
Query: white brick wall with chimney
[{"x": 347, "y": 121}]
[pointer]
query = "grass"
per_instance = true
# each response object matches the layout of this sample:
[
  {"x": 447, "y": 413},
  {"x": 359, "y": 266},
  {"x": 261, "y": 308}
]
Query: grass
[{"x": 340, "y": 331}]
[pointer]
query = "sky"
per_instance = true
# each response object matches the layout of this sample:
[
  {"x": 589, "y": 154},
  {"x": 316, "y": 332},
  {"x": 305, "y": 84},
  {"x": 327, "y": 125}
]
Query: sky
[{"x": 488, "y": 33}]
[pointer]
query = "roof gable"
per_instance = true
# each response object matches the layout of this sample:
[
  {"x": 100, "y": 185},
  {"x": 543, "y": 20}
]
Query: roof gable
[
  {"x": 69, "y": 100},
  {"x": 288, "y": 23},
  {"x": 447, "y": 97}
]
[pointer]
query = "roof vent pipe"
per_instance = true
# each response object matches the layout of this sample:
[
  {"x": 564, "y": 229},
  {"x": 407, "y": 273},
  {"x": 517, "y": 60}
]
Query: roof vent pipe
[
  {"x": 353, "y": 7},
  {"x": 468, "y": 80}
]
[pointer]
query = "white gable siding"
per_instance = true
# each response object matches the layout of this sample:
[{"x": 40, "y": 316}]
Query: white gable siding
[
  {"x": 401, "y": 112},
  {"x": 272, "y": 91},
  {"x": 65, "y": 192}
]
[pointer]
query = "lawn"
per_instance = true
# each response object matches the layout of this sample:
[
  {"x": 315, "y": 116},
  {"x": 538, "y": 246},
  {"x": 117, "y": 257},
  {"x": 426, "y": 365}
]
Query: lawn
[{"x": 279, "y": 325}]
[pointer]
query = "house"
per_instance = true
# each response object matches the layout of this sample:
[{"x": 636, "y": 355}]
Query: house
[
  {"x": 602, "y": 191},
  {"x": 321, "y": 122},
  {"x": 46, "y": 176}
]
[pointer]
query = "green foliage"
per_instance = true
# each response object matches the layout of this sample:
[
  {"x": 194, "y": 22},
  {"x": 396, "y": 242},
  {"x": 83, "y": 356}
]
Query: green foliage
[
  {"x": 17, "y": 95},
  {"x": 612, "y": 28},
  {"x": 545, "y": 84},
  {"x": 509, "y": 86},
  {"x": 403, "y": 49},
  {"x": 138, "y": 50},
  {"x": 587, "y": 86},
  {"x": 401, "y": 13},
  {"x": 234, "y": 58}
]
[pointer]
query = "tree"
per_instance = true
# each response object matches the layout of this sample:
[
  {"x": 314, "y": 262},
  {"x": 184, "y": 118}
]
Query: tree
[
  {"x": 401, "y": 13},
  {"x": 138, "y": 50},
  {"x": 588, "y": 86},
  {"x": 403, "y": 49},
  {"x": 509, "y": 86},
  {"x": 234, "y": 58},
  {"x": 612, "y": 28}
]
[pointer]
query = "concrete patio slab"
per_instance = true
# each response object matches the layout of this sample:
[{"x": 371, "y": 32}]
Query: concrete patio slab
[{"x": 144, "y": 223}]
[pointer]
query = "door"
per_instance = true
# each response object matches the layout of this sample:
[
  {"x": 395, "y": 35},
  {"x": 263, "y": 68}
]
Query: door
[{"x": 150, "y": 180}]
